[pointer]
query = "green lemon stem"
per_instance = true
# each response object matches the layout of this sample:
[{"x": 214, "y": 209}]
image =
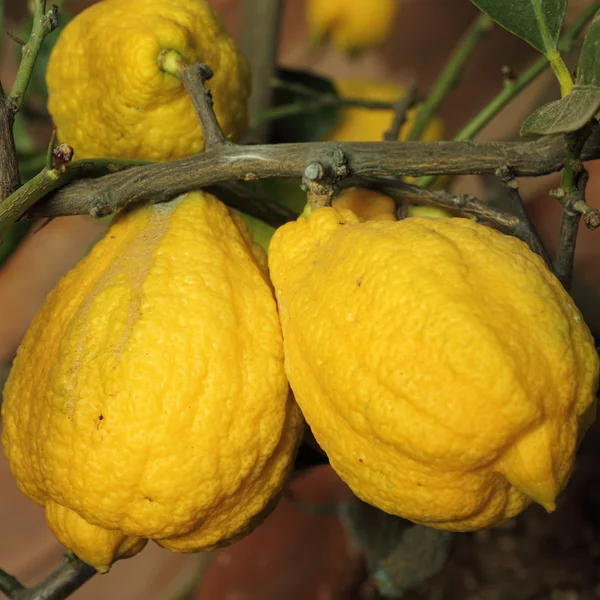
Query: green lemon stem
[
  {"x": 562, "y": 73},
  {"x": 170, "y": 61}
]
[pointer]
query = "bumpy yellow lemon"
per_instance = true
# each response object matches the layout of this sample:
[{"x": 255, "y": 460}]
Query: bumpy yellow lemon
[
  {"x": 440, "y": 365},
  {"x": 352, "y": 25},
  {"x": 109, "y": 98},
  {"x": 148, "y": 399}
]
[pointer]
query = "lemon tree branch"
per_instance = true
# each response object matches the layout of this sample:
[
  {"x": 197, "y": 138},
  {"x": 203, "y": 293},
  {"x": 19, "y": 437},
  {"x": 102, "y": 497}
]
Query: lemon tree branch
[
  {"x": 194, "y": 78},
  {"x": 9, "y": 585},
  {"x": 160, "y": 181},
  {"x": 570, "y": 193},
  {"x": 44, "y": 22},
  {"x": 9, "y": 166}
]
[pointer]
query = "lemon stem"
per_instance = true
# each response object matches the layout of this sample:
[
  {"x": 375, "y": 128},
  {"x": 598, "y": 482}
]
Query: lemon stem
[{"x": 170, "y": 61}]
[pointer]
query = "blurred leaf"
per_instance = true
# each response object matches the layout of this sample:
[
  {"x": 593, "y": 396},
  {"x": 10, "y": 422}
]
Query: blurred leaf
[
  {"x": 588, "y": 69},
  {"x": 23, "y": 140},
  {"x": 309, "y": 126},
  {"x": 577, "y": 108},
  {"x": 286, "y": 192},
  {"x": 11, "y": 238},
  {"x": 261, "y": 232},
  {"x": 538, "y": 22}
]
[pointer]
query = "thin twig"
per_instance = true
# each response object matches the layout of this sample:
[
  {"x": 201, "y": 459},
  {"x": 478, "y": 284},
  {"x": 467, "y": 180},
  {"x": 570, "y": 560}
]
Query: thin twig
[
  {"x": 572, "y": 191},
  {"x": 194, "y": 77},
  {"x": 526, "y": 229},
  {"x": 260, "y": 41},
  {"x": 401, "y": 108},
  {"x": 463, "y": 204},
  {"x": 60, "y": 584},
  {"x": 450, "y": 74},
  {"x": 43, "y": 24},
  {"x": 9, "y": 585}
]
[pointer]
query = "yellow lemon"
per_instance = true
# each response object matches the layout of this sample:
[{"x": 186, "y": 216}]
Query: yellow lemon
[
  {"x": 352, "y": 25},
  {"x": 367, "y": 204},
  {"x": 439, "y": 363},
  {"x": 148, "y": 399},
  {"x": 109, "y": 98}
]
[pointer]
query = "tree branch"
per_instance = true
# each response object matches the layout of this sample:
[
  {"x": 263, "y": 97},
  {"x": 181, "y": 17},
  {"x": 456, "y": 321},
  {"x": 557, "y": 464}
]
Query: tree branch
[
  {"x": 194, "y": 77},
  {"x": 43, "y": 24},
  {"x": 10, "y": 179},
  {"x": 9, "y": 585},
  {"x": 371, "y": 160},
  {"x": 571, "y": 193},
  {"x": 464, "y": 204},
  {"x": 58, "y": 585},
  {"x": 526, "y": 229},
  {"x": 401, "y": 108},
  {"x": 260, "y": 41}
]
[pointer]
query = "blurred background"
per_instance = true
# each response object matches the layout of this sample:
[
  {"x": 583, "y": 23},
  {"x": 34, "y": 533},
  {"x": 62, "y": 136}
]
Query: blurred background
[{"x": 295, "y": 555}]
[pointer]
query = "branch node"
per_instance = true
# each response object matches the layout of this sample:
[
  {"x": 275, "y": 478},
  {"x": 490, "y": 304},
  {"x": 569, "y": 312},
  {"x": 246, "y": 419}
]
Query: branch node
[{"x": 62, "y": 155}]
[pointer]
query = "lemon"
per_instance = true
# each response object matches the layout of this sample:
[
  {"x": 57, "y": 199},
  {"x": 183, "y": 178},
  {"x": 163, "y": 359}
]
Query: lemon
[
  {"x": 109, "y": 98},
  {"x": 439, "y": 363},
  {"x": 352, "y": 25},
  {"x": 148, "y": 399}
]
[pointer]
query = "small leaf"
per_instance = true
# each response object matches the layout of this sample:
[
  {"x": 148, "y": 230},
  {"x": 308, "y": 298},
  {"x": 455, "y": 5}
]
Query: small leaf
[
  {"x": 311, "y": 125},
  {"x": 588, "y": 69},
  {"x": 538, "y": 22},
  {"x": 565, "y": 115},
  {"x": 577, "y": 108}
]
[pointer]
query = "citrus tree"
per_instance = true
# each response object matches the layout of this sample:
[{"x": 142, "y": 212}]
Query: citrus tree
[{"x": 275, "y": 275}]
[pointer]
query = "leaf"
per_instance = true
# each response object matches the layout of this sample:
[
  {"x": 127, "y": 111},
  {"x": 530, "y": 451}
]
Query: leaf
[
  {"x": 312, "y": 125},
  {"x": 588, "y": 69},
  {"x": 261, "y": 232},
  {"x": 538, "y": 22},
  {"x": 577, "y": 108}
]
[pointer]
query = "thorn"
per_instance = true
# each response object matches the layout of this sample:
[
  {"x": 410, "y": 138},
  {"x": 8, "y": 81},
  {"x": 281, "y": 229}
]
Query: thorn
[{"x": 16, "y": 38}]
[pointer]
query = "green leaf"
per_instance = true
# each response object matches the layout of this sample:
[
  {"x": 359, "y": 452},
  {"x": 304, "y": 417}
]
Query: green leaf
[
  {"x": 538, "y": 22},
  {"x": 313, "y": 123},
  {"x": 576, "y": 109},
  {"x": 588, "y": 69},
  {"x": 261, "y": 232},
  {"x": 565, "y": 115}
]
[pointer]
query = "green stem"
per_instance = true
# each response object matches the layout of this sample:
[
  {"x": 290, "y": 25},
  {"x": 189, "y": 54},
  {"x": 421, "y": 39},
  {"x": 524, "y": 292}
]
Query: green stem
[
  {"x": 449, "y": 75},
  {"x": 513, "y": 88},
  {"x": 43, "y": 24},
  {"x": 562, "y": 73}
]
